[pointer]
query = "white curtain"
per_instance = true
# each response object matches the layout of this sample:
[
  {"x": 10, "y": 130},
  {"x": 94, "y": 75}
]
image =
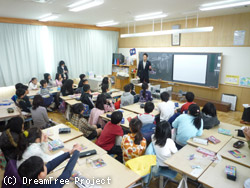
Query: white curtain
[{"x": 27, "y": 51}]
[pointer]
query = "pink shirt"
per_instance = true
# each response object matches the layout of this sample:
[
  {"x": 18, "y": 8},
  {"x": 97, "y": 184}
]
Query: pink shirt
[{"x": 58, "y": 83}]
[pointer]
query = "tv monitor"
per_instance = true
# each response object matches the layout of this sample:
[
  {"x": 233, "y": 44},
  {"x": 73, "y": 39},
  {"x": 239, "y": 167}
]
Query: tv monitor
[{"x": 118, "y": 56}]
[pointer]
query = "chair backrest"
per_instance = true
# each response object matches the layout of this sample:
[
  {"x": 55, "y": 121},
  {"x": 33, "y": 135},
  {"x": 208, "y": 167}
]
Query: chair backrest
[
  {"x": 147, "y": 131},
  {"x": 11, "y": 171}
]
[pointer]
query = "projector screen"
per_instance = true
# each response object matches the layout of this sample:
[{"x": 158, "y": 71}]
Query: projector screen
[{"x": 190, "y": 68}]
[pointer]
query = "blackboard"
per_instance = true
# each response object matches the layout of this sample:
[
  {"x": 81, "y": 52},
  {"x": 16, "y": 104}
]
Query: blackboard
[{"x": 162, "y": 65}]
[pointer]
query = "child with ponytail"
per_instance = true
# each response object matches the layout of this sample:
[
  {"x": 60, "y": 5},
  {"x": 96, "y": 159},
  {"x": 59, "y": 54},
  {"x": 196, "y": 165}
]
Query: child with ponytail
[
  {"x": 133, "y": 144},
  {"x": 188, "y": 125},
  {"x": 145, "y": 95},
  {"x": 33, "y": 84}
]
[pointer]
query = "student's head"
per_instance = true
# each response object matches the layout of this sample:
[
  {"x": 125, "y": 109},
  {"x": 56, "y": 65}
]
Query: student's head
[
  {"x": 105, "y": 80},
  {"x": 127, "y": 88},
  {"x": 47, "y": 77},
  {"x": 20, "y": 93},
  {"x": 68, "y": 85},
  {"x": 78, "y": 108},
  {"x": 145, "y": 57},
  {"x": 194, "y": 110},
  {"x": 135, "y": 127},
  {"x": 61, "y": 63},
  {"x": 43, "y": 83},
  {"x": 101, "y": 100},
  {"x": 132, "y": 86},
  {"x": 85, "y": 81},
  {"x": 190, "y": 96},
  {"x": 82, "y": 76},
  {"x": 165, "y": 96},
  {"x": 86, "y": 88},
  {"x": 37, "y": 101},
  {"x": 162, "y": 133},
  {"x": 144, "y": 88},
  {"x": 33, "y": 168},
  {"x": 58, "y": 76},
  {"x": 149, "y": 107},
  {"x": 26, "y": 88},
  {"x": 209, "y": 109},
  {"x": 116, "y": 117},
  {"x": 16, "y": 124},
  {"x": 105, "y": 88},
  {"x": 33, "y": 80},
  {"x": 35, "y": 135},
  {"x": 18, "y": 85}
]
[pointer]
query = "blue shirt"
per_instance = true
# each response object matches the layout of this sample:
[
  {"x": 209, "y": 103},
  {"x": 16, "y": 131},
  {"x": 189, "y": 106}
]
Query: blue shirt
[{"x": 186, "y": 128}]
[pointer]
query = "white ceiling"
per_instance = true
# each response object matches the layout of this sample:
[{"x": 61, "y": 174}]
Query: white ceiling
[{"x": 117, "y": 10}]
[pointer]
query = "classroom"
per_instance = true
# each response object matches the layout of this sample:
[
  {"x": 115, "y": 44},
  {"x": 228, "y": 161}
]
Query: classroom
[{"x": 125, "y": 94}]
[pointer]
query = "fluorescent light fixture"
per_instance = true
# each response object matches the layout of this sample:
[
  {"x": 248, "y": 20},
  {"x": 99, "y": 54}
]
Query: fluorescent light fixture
[
  {"x": 107, "y": 23},
  {"x": 48, "y": 17},
  {"x": 169, "y": 32},
  {"x": 150, "y": 16},
  {"x": 147, "y": 15},
  {"x": 86, "y": 4},
  {"x": 222, "y": 6}
]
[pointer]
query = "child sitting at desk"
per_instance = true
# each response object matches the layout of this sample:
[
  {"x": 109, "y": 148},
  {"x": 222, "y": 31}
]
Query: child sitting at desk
[
  {"x": 35, "y": 169},
  {"x": 112, "y": 130},
  {"x": 133, "y": 144},
  {"x": 21, "y": 102},
  {"x": 209, "y": 116},
  {"x": 102, "y": 106},
  {"x": 82, "y": 79},
  {"x": 26, "y": 98},
  {"x": 166, "y": 107},
  {"x": 106, "y": 80},
  {"x": 86, "y": 96},
  {"x": 188, "y": 125},
  {"x": 48, "y": 79},
  {"x": 67, "y": 88},
  {"x": 163, "y": 145},
  {"x": 127, "y": 98},
  {"x": 33, "y": 84},
  {"x": 45, "y": 93},
  {"x": 147, "y": 118},
  {"x": 190, "y": 98},
  {"x": 132, "y": 87},
  {"x": 105, "y": 88},
  {"x": 59, "y": 80},
  {"x": 145, "y": 95},
  {"x": 17, "y": 86},
  {"x": 44, "y": 90},
  {"x": 90, "y": 131}
]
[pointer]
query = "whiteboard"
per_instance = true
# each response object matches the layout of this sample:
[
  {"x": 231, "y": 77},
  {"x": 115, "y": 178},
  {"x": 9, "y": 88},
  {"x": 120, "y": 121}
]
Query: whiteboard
[{"x": 190, "y": 68}]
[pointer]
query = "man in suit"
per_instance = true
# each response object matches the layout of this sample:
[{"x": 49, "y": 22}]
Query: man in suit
[{"x": 143, "y": 68}]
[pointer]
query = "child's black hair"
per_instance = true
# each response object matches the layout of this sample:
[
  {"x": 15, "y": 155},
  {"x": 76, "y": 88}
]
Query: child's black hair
[
  {"x": 209, "y": 109},
  {"x": 105, "y": 88},
  {"x": 67, "y": 86},
  {"x": 116, "y": 117},
  {"x": 25, "y": 87},
  {"x": 149, "y": 107},
  {"x": 20, "y": 92},
  {"x": 32, "y": 79},
  {"x": 82, "y": 76},
  {"x": 165, "y": 96},
  {"x": 18, "y": 86},
  {"x": 127, "y": 88},
  {"x": 37, "y": 101},
  {"x": 101, "y": 101},
  {"x": 34, "y": 133},
  {"x": 57, "y": 76},
  {"x": 190, "y": 96},
  {"x": 194, "y": 110},
  {"x": 105, "y": 80},
  {"x": 162, "y": 133},
  {"x": 43, "y": 82},
  {"x": 132, "y": 86},
  {"x": 86, "y": 87},
  {"x": 144, "y": 88},
  {"x": 46, "y": 77},
  {"x": 135, "y": 126}
]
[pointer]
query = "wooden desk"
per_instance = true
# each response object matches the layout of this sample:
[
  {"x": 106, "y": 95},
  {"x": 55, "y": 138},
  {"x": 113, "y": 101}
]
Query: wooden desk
[
  {"x": 125, "y": 113},
  {"x": 70, "y": 97},
  {"x": 72, "y": 102},
  {"x": 244, "y": 150},
  {"x": 117, "y": 94},
  {"x": 36, "y": 92},
  {"x": 63, "y": 137},
  {"x": 212, "y": 147},
  {"x": 4, "y": 113},
  {"x": 181, "y": 163},
  {"x": 215, "y": 175}
]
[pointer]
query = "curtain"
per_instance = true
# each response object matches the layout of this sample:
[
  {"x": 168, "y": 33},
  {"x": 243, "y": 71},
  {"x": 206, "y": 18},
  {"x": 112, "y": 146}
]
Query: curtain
[{"x": 29, "y": 51}]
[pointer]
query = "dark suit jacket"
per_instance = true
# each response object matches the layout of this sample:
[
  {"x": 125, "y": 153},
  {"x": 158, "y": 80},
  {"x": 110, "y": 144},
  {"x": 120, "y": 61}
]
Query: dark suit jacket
[
  {"x": 60, "y": 71},
  {"x": 143, "y": 73}
]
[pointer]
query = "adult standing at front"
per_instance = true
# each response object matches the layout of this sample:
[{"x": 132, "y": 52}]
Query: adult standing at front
[
  {"x": 63, "y": 70},
  {"x": 143, "y": 69}
]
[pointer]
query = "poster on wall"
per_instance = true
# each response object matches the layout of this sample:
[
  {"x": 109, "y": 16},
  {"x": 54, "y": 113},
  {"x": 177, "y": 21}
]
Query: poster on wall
[
  {"x": 232, "y": 79},
  {"x": 245, "y": 81},
  {"x": 239, "y": 37}
]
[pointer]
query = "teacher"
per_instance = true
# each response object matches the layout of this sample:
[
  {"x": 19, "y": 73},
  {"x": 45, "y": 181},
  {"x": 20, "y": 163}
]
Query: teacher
[
  {"x": 63, "y": 70},
  {"x": 143, "y": 68}
]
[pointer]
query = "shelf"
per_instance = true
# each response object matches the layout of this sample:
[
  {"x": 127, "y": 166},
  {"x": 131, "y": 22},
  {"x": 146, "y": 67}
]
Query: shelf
[{"x": 121, "y": 65}]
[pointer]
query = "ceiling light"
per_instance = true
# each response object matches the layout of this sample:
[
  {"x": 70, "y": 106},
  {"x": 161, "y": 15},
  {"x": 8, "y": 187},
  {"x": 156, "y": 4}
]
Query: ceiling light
[
  {"x": 107, "y": 23},
  {"x": 169, "y": 32},
  {"x": 48, "y": 17},
  {"x": 206, "y": 7},
  {"x": 85, "y": 4},
  {"x": 150, "y": 16},
  {"x": 147, "y": 15}
]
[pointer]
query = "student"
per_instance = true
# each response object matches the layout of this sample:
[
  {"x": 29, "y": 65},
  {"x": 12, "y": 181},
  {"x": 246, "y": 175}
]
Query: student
[
  {"x": 166, "y": 107},
  {"x": 44, "y": 90},
  {"x": 35, "y": 169},
  {"x": 127, "y": 98},
  {"x": 26, "y": 98},
  {"x": 245, "y": 119},
  {"x": 25, "y": 107},
  {"x": 105, "y": 88},
  {"x": 188, "y": 125},
  {"x": 209, "y": 116},
  {"x": 33, "y": 84},
  {"x": 132, "y": 89},
  {"x": 67, "y": 88},
  {"x": 145, "y": 95},
  {"x": 82, "y": 77},
  {"x": 102, "y": 106},
  {"x": 86, "y": 97},
  {"x": 106, "y": 80},
  {"x": 147, "y": 118},
  {"x": 133, "y": 144},
  {"x": 37, "y": 146},
  {"x": 90, "y": 131},
  {"x": 39, "y": 113},
  {"x": 59, "y": 80},
  {"x": 17, "y": 86},
  {"x": 112, "y": 130},
  {"x": 13, "y": 141},
  {"x": 163, "y": 145},
  {"x": 49, "y": 81},
  {"x": 190, "y": 98},
  {"x": 63, "y": 70}
]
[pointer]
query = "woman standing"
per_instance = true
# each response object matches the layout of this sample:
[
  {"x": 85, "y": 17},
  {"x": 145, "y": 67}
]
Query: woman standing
[{"x": 63, "y": 70}]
